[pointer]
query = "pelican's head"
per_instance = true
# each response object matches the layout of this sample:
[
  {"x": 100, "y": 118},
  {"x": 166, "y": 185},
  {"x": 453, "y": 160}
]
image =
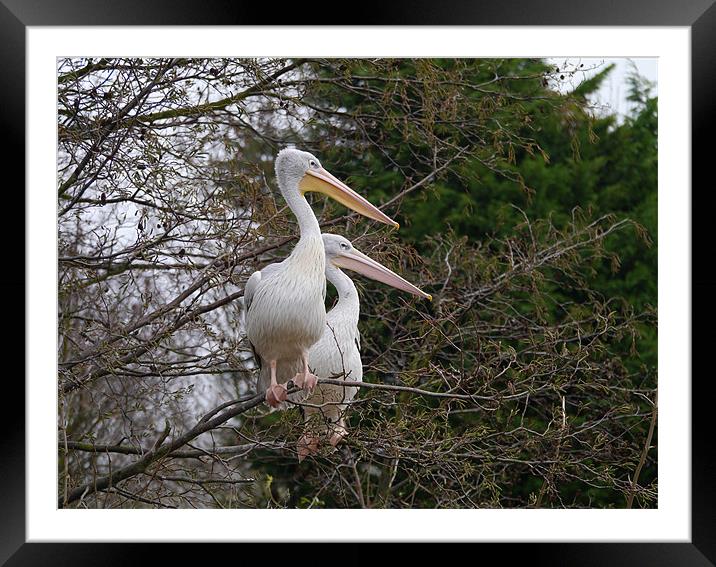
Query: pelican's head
[
  {"x": 340, "y": 253},
  {"x": 302, "y": 170}
]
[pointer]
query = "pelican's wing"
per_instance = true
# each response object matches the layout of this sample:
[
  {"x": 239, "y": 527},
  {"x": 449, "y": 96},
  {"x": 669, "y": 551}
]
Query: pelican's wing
[
  {"x": 250, "y": 288},
  {"x": 253, "y": 283}
]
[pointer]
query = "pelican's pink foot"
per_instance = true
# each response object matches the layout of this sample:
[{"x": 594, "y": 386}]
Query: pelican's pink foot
[
  {"x": 307, "y": 445},
  {"x": 306, "y": 381},
  {"x": 275, "y": 394}
]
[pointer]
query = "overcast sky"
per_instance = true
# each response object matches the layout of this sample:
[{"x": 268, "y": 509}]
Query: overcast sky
[{"x": 613, "y": 92}]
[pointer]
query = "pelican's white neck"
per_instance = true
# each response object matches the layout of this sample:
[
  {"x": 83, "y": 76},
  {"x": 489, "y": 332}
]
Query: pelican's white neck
[
  {"x": 307, "y": 221},
  {"x": 347, "y": 293}
]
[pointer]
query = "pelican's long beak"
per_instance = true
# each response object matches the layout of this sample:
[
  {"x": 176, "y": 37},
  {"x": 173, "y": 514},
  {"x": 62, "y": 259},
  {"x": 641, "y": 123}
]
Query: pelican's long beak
[
  {"x": 323, "y": 182},
  {"x": 359, "y": 262}
]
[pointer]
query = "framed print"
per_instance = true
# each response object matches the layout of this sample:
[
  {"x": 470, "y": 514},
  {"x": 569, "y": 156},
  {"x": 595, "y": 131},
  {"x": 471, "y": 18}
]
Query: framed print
[{"x": 422, "y": 278}]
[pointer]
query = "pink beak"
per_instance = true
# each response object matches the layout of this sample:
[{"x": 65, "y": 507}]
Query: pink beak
[{"x": 359, "y": 262}]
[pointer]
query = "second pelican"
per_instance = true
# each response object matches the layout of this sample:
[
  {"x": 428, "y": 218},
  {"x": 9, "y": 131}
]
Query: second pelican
[{"x": 337, "y": 353}]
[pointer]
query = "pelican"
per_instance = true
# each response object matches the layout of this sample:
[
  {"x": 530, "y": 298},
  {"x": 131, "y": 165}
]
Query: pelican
[
  {"x": 337, "y": 353},
  {"x": 285, "y": 302}
]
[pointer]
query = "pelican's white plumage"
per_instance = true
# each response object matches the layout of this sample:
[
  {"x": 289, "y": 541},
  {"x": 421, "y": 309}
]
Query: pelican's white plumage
[{"x": 285, "y": 302}]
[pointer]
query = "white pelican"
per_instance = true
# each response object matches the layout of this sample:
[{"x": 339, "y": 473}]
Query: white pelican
[
  {"x": 285, "y": 302},
  {"x": 337, "y": 353}
]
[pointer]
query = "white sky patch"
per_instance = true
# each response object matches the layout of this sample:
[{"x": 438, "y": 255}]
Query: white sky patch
[{"x": 611, "y": 97}]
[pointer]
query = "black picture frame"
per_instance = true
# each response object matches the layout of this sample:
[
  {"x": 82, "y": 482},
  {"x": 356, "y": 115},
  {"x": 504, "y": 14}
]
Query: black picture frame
[{"x": 699, "y": 15}]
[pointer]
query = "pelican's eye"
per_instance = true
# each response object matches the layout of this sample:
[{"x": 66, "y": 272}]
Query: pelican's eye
[
  {"x": 344, "y": 246},
  {"x": 313, "y": 163}
]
